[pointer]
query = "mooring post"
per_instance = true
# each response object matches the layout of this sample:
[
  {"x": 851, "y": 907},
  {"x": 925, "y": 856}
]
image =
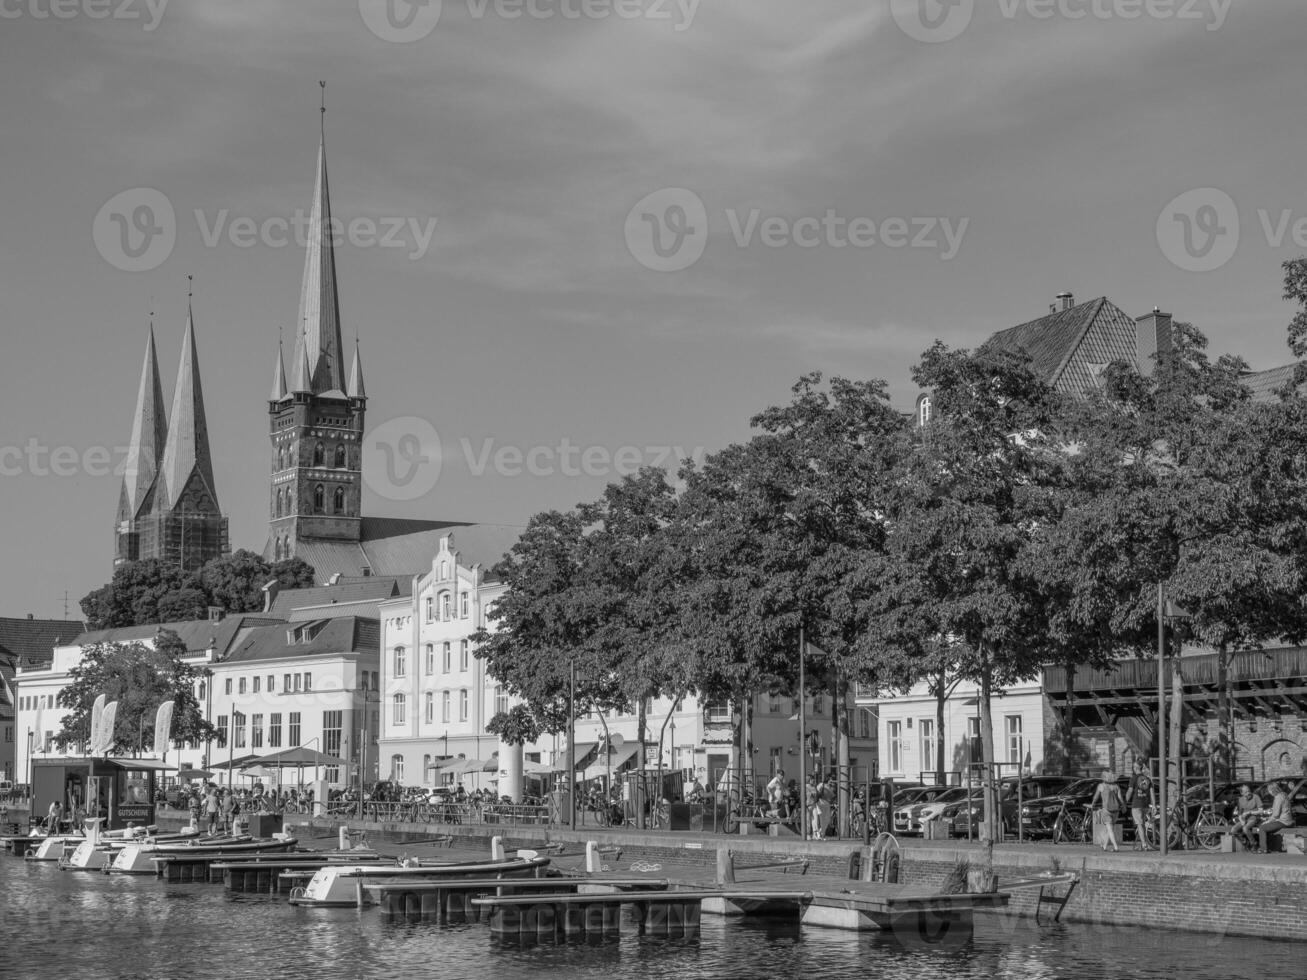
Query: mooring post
[
  {"x": 342, "y": 838},
  {"x": 725, "y": 866},
  {"x": 497, "y": 848}
]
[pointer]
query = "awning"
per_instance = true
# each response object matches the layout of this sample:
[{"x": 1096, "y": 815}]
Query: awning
[
  {"x": 459, "y": 767},
  {"x": 583, "y": 749},
  {"x": 142, "y": 764},
  {"x": 615, "y": 760}
]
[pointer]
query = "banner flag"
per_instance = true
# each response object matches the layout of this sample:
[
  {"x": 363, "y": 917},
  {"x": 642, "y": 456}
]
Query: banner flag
[
  {"x": 93, "y": 738},
  {"x": 162, "y": 726},
  {"x": 107, "y": 720}
]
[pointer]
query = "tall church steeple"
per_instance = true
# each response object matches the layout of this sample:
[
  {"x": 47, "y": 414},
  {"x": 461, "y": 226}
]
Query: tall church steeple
[
  {"x": 187, "y": 464},
  {"x": 144, "y": 454},
  {"x": 316, "y": 426}
]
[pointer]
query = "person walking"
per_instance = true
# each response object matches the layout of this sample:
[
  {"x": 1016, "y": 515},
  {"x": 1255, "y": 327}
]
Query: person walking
[
  {"x": 211, "y": 809},
  {"x": 1140, "y": 798},
  {"x": 1107, "y": 796}
]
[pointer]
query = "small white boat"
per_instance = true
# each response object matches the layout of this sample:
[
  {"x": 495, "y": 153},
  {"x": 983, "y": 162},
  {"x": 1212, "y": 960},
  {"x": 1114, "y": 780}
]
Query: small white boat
[
  {"x": 54, "y": 847},
  {"x": 339, "y": 885},
  {"x": 90, "y": 855}
]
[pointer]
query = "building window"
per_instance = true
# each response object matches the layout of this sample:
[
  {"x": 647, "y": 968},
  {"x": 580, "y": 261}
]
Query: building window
[
  {"x": 501, "y": 700},
  {"x": 256, "y": 685},
  {"x": 431, "y": 609},
  {"x": 199, "y": 695},
  {"x": 426, "y": 768},
  {"x": 445, "y": 612},
  {"x": 226, "y": 686},
  {"x": 463, "y": 606},
  {"x": 773, "y": 704},
  {"x": 332, "y": 726},
  {"x": 274, "y": 730},
  {"x": 430, "y": 712},
  {"x": 296, "y": 679},
  {"x": 241, "y": 685},
  {"x": 308, "y": 682},
  {"x": 462, "y": 705},
  {"x": 444, "y": 707},
  {"x": 444, "y": 570},
  {"x": 399, "y": 661},
  {"x": 431, "y": 659},
  {"x": 256, "y": 731},
  {"x": 397, "y": 710},
  {"x": 894, "y": 744},
  {"x": 462, "y": 655},
  {"x": 397, "y": 768},
  {"x": 238, "y": 723},
  {"x": 926, "y": 734},
  {"x": 272, "y": 682},
  {"x": 718, "y": 713},
  {"x": 293, "y": 736},
  {"x": 319, "y": 454},
  {"x": 319, "y": 499},
  {"x": 340, "y": 457},
  {"x": 444, "y": 657},
  {"x": 338, "y": 501},
  {"x": 285, "y": 684},
  {"x": 1015, "y": 746},
  {"x": 222, "y": 731}
]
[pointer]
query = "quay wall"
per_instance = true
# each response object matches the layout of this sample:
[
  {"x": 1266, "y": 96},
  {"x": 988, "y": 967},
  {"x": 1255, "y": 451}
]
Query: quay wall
[{"x": 1215, "y": 895}]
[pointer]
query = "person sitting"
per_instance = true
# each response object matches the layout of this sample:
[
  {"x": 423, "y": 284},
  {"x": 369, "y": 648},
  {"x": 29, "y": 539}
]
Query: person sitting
[
  {"x": 1247, "y": 815},
  {"x": 1279, "y": 818}
]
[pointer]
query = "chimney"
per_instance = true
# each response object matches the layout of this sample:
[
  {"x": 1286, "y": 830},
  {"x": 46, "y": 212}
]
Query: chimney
[
  {"x": 1065, "y": 301},
  {"x": 1152, "y": 340},
  {"x": 270, "y": 593}
]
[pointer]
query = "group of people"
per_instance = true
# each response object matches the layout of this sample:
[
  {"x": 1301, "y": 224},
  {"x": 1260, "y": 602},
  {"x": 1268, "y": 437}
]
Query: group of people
[
  {"x": 216, "y": 808},
  {"x": 818, "y": 799},
  {"x": 1251, "y": 819}
]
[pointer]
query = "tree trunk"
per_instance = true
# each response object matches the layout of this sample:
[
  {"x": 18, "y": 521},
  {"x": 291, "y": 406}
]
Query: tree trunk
[
  {"x": 941, "y": 699},
  {"x": 987, "y": 749},
  {"x": 840, "y": 747},
  {"x": 640, "y": 730}
]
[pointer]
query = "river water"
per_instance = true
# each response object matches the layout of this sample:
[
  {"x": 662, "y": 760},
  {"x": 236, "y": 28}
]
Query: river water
[{"x": 56, "y": 924}]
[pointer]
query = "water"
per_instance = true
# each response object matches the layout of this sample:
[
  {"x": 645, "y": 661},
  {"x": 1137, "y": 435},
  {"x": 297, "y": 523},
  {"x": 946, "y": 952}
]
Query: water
[{"x": 74, "y": 924}]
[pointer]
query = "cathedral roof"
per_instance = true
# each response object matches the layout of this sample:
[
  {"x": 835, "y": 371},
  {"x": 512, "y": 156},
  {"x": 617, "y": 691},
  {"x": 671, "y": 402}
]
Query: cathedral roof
[
  {"x": 278, "y": 378},
  {"x": 363, "y": 589},
  {"x": 356, "y": 389}
]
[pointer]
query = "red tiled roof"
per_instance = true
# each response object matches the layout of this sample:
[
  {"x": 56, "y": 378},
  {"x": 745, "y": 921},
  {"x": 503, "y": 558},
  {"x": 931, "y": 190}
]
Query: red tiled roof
[
  {"x": 1067, "y": 348},
  {"x": 35, "y": 639}
]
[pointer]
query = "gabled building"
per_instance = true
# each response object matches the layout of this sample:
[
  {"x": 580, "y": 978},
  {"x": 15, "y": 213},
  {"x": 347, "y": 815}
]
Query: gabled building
[{"x": 25, "y": 643}]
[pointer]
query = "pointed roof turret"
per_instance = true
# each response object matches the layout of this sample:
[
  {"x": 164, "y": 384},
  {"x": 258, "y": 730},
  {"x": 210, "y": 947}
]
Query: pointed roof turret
[
  {"x": 319, "y": 303},
  {"x": 356, "y": 389},
  {"x": 278, "y": 378},
  {"x": 303, "y": 380},
  {"x": 186, "y": 453},
  {"x": 149, "y": 433}
]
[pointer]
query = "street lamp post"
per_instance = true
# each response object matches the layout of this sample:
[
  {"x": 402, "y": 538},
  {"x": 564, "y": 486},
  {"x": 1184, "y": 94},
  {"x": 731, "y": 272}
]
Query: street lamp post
[{"x": 31, "y": 790}]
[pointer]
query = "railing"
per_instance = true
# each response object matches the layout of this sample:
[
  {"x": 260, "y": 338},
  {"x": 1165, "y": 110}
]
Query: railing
[
  {"x": 509, "y": 814},
  {"x": 1203, "y": 669}
]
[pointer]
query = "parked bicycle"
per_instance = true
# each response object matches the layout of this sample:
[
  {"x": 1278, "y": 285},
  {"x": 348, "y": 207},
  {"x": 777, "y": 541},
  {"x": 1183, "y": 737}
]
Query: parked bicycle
[
  {"x": 1072, "y": 826},
  {"x": 1203, "y": 832}
]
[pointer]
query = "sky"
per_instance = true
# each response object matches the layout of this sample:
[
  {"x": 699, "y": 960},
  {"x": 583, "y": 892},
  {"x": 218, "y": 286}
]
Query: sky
[{"x": 583, "y": 235}]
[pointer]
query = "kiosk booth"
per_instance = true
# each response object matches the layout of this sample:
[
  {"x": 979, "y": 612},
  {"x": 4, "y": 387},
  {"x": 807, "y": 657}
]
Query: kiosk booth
[{"x": 119, "y": 790}]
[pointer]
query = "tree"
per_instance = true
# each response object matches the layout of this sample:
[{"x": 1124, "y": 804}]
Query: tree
[
  {"x": 139, "y": 676},
  {"x": 779, "y": 533},
  {"x": 968, "y": 500},
  {"x": 1179, "y": 479},
  {"x": 154, "y": 591}
]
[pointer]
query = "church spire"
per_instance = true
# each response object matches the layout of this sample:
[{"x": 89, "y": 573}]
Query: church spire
[
  {"x": 186, "y": 453},
  {"x": 303, "y": 380},
  {"x": 319, "y": 303},
  {"x": 278, "y": 377},
  {"x": 356, "y": 389},
  {"x": 149, "y": 433}
]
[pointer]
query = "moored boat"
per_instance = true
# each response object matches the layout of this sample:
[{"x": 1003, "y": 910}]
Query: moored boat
[
  {"x": 141, "y": 858},
  {"x": 340, "y": 885}
]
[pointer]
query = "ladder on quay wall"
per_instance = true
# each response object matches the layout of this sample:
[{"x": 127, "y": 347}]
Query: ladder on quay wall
[{"x": 1047, "y": 896}]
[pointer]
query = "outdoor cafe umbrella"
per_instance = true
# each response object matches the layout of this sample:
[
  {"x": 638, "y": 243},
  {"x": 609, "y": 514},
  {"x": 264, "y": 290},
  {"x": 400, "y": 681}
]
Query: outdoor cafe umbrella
[{"x": 296, "y": 758}]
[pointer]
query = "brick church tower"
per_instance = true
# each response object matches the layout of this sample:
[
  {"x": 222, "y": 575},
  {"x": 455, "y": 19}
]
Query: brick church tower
[{"x": 316, "y": 422}]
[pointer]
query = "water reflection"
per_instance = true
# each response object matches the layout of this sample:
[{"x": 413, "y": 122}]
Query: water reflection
[{"x": 65, "y": 924}]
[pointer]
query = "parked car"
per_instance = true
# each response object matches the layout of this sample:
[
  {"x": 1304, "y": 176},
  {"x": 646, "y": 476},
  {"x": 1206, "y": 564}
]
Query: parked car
[
  {"x": 961, "y": 816},
  {"x": 908, "y": 818},
  {"x": 1038, "y": 815}
]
